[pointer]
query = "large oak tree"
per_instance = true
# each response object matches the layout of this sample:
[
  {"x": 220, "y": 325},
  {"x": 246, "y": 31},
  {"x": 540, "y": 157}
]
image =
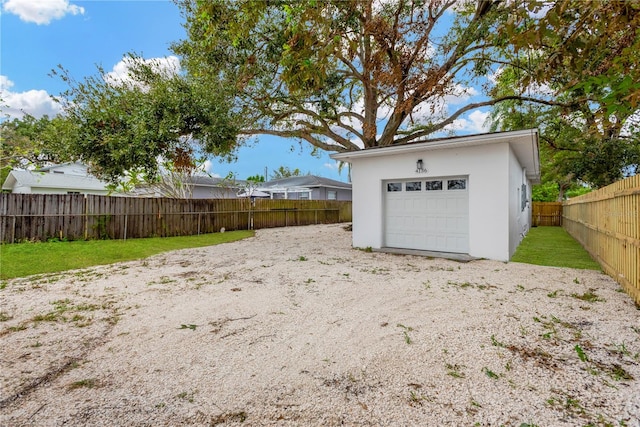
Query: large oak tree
[
  {"x": 349, "y": 74},
  {"x": 584, "y": 55},
  {"x": 344, "y": 74}
]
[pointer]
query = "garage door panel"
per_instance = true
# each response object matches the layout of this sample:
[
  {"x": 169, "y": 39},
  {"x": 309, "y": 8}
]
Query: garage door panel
[{"x": 428, "y": 220}]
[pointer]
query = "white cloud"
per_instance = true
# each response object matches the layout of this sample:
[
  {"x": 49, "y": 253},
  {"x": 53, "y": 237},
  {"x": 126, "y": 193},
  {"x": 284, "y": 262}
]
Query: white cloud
[
  {"x": 208, "y": 169},
  {"x": 475, "y": 123},
  {"x": 41, "y": 12},
  {"x": 332, "y": 166},
  {"x": 34, "y": 102},
  {"x": 121, "y": 73}
]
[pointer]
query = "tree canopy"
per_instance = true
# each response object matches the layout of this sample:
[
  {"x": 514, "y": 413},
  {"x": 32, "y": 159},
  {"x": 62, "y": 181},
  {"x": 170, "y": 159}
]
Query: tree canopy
[
  {"x": 285, "y": 172},
  {"x": 351, "y": 74},
  {"x": 343, "y": 74},
  {"x": 581, "y": 54},
  {"x": 149, "y": 114}
]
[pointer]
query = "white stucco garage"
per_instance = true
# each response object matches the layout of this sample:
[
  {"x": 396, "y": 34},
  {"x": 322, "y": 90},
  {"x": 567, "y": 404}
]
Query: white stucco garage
[{"x": 466, "y": 195}]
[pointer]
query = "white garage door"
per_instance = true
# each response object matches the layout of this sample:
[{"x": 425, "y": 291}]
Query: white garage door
[{"x": 429, "y": 214}]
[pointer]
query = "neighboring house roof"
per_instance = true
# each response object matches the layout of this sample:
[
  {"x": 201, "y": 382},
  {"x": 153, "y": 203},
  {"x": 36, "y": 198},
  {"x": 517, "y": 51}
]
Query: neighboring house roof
[
  {"x": 208, "y": 181},
  {"x": 24, "y": 178},
  {"x": 524, "y": 144},
  {"x": 304, "y": 181},
  {"x": 70, "y": 168}
]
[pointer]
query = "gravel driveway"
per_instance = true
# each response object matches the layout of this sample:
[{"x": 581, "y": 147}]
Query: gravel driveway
[{"x": 294, "y": 327}]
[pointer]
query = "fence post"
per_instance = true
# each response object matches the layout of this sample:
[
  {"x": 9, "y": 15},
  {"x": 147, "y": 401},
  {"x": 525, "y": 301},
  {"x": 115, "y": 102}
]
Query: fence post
[
  {"x": 86, "y": 218},
  {"x": 126, "y": 218},
  {"x": 198, "y": 223},
  {"x": 13, "y": 232}
]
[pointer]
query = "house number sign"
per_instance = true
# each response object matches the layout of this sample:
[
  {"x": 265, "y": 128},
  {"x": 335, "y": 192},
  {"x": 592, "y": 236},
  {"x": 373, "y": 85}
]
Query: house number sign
[{"x": 420, "y": 168}]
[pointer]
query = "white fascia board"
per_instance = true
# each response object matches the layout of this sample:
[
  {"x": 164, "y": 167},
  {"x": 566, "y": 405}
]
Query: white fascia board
[
  {"x": 284, "y": 189},
  {"x": 523, "y": 142},
  {"x": 437, "y": 144}
]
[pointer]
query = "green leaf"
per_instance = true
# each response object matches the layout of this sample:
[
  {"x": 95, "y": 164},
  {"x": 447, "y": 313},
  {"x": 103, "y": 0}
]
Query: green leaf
[{"x": 581, "y": 354}]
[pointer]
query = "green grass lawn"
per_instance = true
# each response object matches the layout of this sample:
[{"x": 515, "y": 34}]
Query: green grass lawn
[
  {"x": 554, "y": 247},
  {"x": 25, "y": 259}
]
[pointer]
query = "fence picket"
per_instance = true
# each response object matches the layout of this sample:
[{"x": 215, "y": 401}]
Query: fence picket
[
  {"x": 546, "y": 214},
  {"x": 607, "y": 223},
  {"x": 41, "y": 217}
]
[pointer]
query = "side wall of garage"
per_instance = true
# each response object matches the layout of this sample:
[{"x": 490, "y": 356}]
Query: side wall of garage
[
  {"x": 519, "y": 203},
  {"x": 487, "y": 169}
]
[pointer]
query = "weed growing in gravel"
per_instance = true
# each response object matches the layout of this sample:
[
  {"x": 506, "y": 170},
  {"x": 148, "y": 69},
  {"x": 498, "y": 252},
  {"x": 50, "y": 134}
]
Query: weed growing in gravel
[
  {"x": 86, "y": 383},
  {"x": 488, "y": 372},
  {"x": 581, "y": 354},
  {"x": 551, "y": 332},
  {"x": 589, "y": 296},
  {"x": 4, "y": 316},
  {"x": 615, "y": 371},
  {"x": 621, "y": 349},
  {"x": 455, "y": 370},
  {"x": 406, "y": 330},
  {"x": 462, "y": 285},
  {"x": 3, "y": 285},
  {"x": 189, "y": 397},
  {"x": 302, "y": 258},
  {"x": 20, "y": 327},
  {"x": 188, "y": 326},
  {"x": 61, "y": 307},
  {"x": 495, "y": 342},
  {"x": 228, "y": 417},
  {"x": 416, "y": 398}
]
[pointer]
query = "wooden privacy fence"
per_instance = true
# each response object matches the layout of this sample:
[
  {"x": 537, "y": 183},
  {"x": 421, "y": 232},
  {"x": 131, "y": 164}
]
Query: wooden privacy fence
[
  {"x": 44, "y": 216},
  {"x": 546, "y": 213},
  {"x": 607, "y": 223}
]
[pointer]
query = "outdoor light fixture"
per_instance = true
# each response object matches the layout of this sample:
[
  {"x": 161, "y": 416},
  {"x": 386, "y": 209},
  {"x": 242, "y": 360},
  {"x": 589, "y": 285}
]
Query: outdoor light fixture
[{"x": 420, "y": 166}]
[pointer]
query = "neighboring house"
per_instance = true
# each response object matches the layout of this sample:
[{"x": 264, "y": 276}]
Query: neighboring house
[
  {"x": 306, "y": 187},
  {"x": 67, "y": 178},
  {"x": 197, "y": 187},
  {"x": 468, "y": 195},
  {"x": 74, "y": 178}
]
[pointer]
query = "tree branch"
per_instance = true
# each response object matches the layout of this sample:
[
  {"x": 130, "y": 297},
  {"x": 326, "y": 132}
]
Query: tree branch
[{"x": 431, "y": 129}]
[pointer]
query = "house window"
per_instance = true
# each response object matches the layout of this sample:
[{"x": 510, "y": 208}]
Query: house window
[
  {"x": 414, "y": 186},
  {"x": 304, "y": 195},
  {"x": 394, "y": 186},
  {"x": 277, "y": 195},
  {"x": 73, "y": 192},
  {"x": 456, "y": 184},
  {"x": 433, "y": 185},
  {"x": 332, "y": 195}
]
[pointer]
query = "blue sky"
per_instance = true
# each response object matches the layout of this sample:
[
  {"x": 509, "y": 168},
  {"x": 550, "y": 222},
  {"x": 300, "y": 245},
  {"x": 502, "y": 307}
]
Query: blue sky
[{"x": 37, "y": 35}]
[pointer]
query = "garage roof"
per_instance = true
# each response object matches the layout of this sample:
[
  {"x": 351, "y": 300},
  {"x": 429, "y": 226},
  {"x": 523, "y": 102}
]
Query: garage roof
[{"x": 524, "y": 144}]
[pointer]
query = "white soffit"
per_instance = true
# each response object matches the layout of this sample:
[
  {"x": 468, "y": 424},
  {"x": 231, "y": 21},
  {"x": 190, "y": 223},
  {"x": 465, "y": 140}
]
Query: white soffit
[{"x": 524, "y": 144}]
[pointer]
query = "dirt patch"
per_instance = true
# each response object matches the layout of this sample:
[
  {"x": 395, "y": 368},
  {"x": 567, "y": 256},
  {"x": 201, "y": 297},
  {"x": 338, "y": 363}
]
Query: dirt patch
[{"x": 295, "y": 327}]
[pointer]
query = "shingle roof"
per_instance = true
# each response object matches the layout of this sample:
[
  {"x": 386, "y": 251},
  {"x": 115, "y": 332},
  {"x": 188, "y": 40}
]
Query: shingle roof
[
  {"x": 52, "y": 180},
  {"x": 205, "y": 180},
  {"x": 308, "y": 181}
]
